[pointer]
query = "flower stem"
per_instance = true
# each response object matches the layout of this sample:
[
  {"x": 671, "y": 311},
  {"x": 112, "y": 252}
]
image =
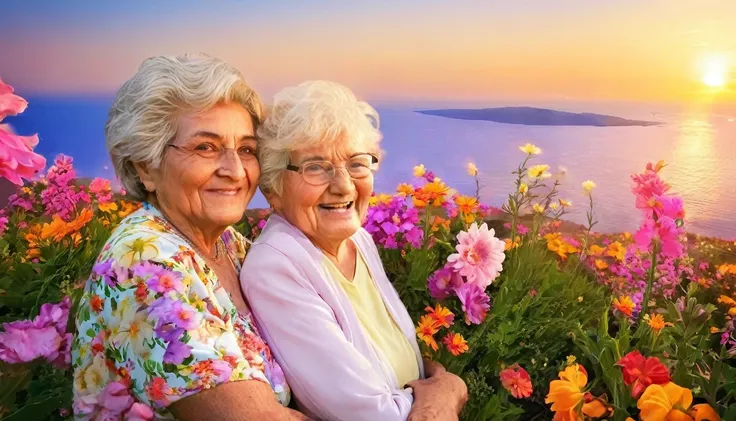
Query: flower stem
[{"x": 650, "y": 281}]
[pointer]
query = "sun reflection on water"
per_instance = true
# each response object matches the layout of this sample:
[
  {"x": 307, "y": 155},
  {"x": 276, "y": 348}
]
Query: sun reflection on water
[{"x": 695, "y": 169}]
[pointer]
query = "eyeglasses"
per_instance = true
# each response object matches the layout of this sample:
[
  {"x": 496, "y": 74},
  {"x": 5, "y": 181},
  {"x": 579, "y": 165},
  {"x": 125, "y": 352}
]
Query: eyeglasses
[
  {"x": 214, "y": 153},
  {"x": 318, "y": 173}
]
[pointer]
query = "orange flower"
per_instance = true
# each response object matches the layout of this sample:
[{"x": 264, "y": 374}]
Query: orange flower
[
  {"x": 431, "y": 194},
  {"x": 624, "y": 305},
  {"x": 426, "y": 330},
  {"x": 669, "y": 402},
  {"x": 455, "y": 343},
  {"x": 601, "y": 264},
  {"x": 704, "y": 412},
  {"x": 509, "y": 245},
  {"x": 656, "y": 322},
  {"x": 596, "y": 250},
  {"x": 557, "y": 244},
  {"x": 380, "y": 198},
  {"x": 439, "y": 222},
  {"x": 442, "y": 315},
  {"x": 466, "y": 204},
  {"x": 725, "y": 299},
  {"x": 566, "y": 394}
]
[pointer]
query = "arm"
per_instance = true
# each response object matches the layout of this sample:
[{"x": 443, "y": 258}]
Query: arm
[
  {"x": 246, "y": 401},
  {"x": 325, "y": 371}
]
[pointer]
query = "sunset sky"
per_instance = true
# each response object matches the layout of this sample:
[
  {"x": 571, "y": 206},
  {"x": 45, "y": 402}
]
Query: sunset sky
[{"x": 648, "y": 50}]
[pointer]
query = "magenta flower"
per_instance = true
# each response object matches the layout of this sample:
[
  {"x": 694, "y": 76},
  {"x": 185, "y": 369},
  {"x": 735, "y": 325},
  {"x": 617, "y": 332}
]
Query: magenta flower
[
  {"x": 479, "y": 256},
  {"x": 394, "y": 225},
  {"x": 3, "y": 225},
  {"x": 443, "y": 282},
  {"x": 475, "y": 302}
]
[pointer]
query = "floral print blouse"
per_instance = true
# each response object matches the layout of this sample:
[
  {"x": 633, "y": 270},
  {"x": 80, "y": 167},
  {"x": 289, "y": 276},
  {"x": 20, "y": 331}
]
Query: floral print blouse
[{"x": 155, "y": 326}]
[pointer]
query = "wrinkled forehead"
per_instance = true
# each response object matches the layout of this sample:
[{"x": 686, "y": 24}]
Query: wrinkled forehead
[{"x": 336, "y": 150}]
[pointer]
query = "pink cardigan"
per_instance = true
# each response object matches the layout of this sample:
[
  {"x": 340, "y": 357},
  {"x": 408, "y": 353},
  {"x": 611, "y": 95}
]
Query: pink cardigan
[{"x": 314, "y": 333}]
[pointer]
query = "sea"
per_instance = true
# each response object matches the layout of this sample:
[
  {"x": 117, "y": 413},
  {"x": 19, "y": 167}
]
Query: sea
[{"x": 697, "y": 143}]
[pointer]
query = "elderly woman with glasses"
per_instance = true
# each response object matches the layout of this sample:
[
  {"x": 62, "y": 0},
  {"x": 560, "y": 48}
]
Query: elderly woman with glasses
[
  {"x": 163, "y": 330},
  {"x": 314, "y": 278}
]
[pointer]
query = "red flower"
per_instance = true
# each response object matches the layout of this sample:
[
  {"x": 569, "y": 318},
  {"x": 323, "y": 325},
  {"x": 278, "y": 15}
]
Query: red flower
[
  {"x": 516, "y": 381},
  {"x": 640, "y": 372}
]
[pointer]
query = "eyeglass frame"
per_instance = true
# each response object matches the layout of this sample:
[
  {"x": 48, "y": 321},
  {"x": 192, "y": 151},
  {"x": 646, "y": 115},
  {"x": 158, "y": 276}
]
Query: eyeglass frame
[
  {"x": 300, "y": 168},
  {"x": 193, "y": 152}
]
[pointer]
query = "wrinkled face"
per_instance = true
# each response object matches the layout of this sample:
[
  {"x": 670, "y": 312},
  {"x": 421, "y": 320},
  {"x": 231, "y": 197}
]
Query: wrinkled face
[
  {"x": 210, "y": 174},
  {"x": 329, "y": 213}
]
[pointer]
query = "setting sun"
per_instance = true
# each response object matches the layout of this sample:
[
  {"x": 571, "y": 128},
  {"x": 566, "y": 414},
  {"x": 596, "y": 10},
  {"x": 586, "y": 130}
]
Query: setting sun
[{"x": 715, "y": 72}]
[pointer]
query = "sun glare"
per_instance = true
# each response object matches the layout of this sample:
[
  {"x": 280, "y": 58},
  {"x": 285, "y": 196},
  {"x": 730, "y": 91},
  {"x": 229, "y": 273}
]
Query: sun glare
[{"x": 715, "y": 71}]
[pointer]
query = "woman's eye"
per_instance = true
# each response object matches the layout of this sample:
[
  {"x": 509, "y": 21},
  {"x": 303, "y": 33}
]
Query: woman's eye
[
  {"x": 314, "y": 168},
  {"x": 247, "y": 150},
  {"x": 205, "y": 147}
]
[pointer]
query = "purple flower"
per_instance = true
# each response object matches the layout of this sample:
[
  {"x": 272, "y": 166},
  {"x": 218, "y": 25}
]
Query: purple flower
[
  {"x": 56, "y": 315},
  {"x": 475, "y": 301},
  {"x": 105, "y": 271},
  {"x": 176, "y": 312},
  {"x": 177, "y": 352},
  {"x": 443, "y": 282},
  {"x": 166, "y": 281}
]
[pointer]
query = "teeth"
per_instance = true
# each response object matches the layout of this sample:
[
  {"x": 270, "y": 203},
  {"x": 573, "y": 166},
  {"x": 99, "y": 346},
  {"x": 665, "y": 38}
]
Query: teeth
[{"x": 337, "y": 205}]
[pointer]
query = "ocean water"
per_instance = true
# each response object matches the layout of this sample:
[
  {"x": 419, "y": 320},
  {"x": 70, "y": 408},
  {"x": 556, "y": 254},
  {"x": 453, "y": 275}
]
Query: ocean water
[{"x": 698, "y": 146}]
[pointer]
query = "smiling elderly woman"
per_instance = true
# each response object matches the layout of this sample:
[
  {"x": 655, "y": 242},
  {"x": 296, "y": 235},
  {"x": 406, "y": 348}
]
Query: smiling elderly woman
[
  {"x": 163, "y": 329},
  {"x": 314, "y": 278}
]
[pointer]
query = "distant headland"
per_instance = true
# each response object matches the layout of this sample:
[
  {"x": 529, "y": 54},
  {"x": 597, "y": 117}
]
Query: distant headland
[{"x": 531, "y": 116}]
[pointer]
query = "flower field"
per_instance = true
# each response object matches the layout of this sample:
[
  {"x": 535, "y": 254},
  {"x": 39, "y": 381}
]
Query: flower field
[{"x": 542, "y": 318}]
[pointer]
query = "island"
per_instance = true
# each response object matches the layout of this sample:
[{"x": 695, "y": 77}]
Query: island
[{"x": 531, "y": 116}]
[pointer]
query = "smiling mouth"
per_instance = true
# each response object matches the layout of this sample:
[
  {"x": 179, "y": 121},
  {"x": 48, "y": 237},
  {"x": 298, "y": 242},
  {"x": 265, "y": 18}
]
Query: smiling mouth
[
  {"x": 339, "y": 207},
  {"x": 226, "y": 192}
]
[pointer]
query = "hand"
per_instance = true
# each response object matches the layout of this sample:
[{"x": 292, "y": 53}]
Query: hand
[
  {"x": 440, "y": 397},
  {"x": 432, "y": 367}
]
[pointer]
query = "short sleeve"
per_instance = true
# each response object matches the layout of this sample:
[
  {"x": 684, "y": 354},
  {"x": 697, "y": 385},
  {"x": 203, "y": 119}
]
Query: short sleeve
[{"x": 151, "y": 321}]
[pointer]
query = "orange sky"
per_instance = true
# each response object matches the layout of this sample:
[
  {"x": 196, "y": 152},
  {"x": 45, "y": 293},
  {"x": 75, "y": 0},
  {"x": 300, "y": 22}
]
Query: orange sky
[{"x": 532, "y": 49}]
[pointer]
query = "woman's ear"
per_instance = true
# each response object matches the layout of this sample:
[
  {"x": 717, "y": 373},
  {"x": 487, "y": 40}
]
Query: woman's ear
[{"x": 146, "y": 175}]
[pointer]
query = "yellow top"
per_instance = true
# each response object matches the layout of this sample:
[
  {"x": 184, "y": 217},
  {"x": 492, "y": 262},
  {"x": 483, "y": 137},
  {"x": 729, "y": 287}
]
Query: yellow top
[{"x": 386, "y": 336}]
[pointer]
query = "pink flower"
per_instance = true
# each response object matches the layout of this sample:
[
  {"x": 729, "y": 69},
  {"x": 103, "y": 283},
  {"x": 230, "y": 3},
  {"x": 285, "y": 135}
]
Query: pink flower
[
  {"x": 166, "y": 281},
  {"x": 178, "y": 313},
  {"x": 479, "y": 255},
  {"x": 115, "y": 398},
  {"x": 139, "y": 412},
  {"x": 17, "y": 159},
  {"x": 101, "y": 188},
  {"x": 22, "y": 342},
  {"x": 516, "y": 381},
  {"x": 10, "y": 104},
  {"x": 442, "y": 283},
  {"x": 475, "y": 302},
  {"x": 3, "y": 225}
]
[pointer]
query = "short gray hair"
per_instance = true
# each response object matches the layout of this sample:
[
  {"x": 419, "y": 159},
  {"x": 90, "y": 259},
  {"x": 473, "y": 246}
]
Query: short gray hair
[
  {"x": 144, "y": 116},
  {"x": 311, "y": 113}
]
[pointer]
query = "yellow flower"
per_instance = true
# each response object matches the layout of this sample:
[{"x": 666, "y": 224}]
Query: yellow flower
[
  {"x": 472, "y": 169},
  {"x": 616, "y": 250},
  {"x": 539, "y": 171},
  {"x": 509, "y": 245},
  {"x": 141, "y": 248},
  {"x": 530, "y": 149},
  {"x": 523, "y": 188},
  {"x": 553, "y": 206},
  {"x": 538, "y": 208},
  {"x": 571, "y": 360},
  {"x": 405, "y": 189},
  {"x": 419, "y": 170},
  {"x": 380, "y": 198},
  {"x": 588, "y": 186},
  {"x": 668, "y": 402},
  {"x": 109, "y": 207}
]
